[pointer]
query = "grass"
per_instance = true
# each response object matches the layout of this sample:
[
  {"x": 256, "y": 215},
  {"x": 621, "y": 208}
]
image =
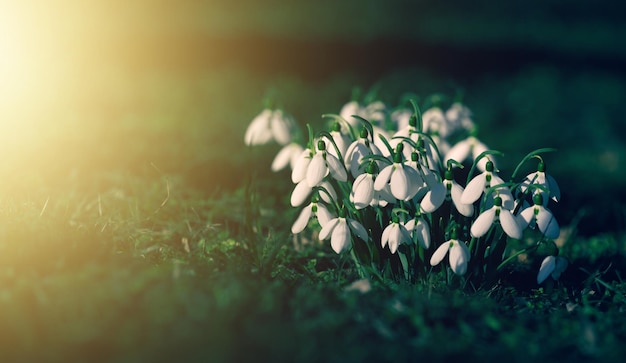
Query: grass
[{"x": 137, "y": 228}]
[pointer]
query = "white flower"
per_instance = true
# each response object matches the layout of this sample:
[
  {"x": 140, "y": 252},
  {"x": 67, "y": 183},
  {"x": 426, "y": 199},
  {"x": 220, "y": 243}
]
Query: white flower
[
  {"x": 545, "y": 180},
  {"x": 267, "y": 126},
  {"x": 540, "y": 216},
  {"x": 322, "y": 164},
  {"x": 551, "y": 266},
  {"x": 466, "y": 149},
  {"x": 288, "y": 155},
  {"x": 302, "y": 191},
  {"x": 419, "y": 230},
  {"x": 298, "y": 173},
  {"x": 313, "y": 210},
  {"x": 459, "y": 115},
  {"x": 404, "y": 180},
  {"x": 449, "y": 188},
  {"x": 340, "y": 139},
  {"x": 435, "y": 122},
  {"x": 357, "y": 150},
  {"x": 348, "y": 110},
  {"x": 363, "y": 190},
  {"x": 459, "y": 255},
  {"x": 340, "y": 231},
  {"x": 482, "y": 182},
  {"x": 496, "y": 213},
  {"x": 394, "y": 234}
]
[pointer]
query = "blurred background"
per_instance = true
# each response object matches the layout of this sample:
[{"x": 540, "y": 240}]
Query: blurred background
[{"x": 90, "y": 89}]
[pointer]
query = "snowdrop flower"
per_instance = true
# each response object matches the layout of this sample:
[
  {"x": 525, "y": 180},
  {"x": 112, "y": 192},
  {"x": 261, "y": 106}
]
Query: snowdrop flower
[
  {"x": 357, "y": 151},
  {"x": 340, "y": 231},
  {"x": 394, "y": 234},
  {"x": 322, "y": 164},
  {"x": 267, "y": 126},
  {"x": 539, "y": 216},
  {"x": 547, "y": 181},
  {"x": 288, "y": 155},
  {"x": 403, "y": 180},
  {"x": 302, "y": 191},
  {"x": 551, "y": 266},
  {"x": 401, "y": 118},
  {"x": 459, "y": 115},
  {"x": 348, "y": 110},
  {"x": 435, "y": 122},
  {"x": 448, "y": 189},
  {"x": 419, "y": 230},
  {"x": 466, "y": 149},
  {"x": 313, "y": 210},
  {"x": 459, "y": 255},
  {"x": 341, "y": 140},
  {"x": 492, "y": 215},
  {"x": 363, "y": 188},
  {"x": 482, "y": 182}
]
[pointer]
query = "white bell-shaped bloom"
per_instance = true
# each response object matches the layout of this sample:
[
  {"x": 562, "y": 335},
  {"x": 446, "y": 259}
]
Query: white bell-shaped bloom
[
  {"x": 435, "y": 122},
  {"x": 459, "y": 255},
  {"x": 341, "y": 140},
  {"x": 403, "y": 180},
  {"x": 448, "y": 189},
  {"x": 302, "y": 191},
  {"x": 340, "y": 231},
  {"x": 492, "y": 215},
  {"x": 348, "y": 110},
  {"x": 322, "y": 164},
  {"x": 363, "y": 191},
  {"x": 482, "y": 182},
  {"x": 434, "y": 198},
  {"x": 298, "y": 173},
  {"x": 401, "y": 117},
  {"x": 540, "y": 177},
  {"x": 541, "y": 217},
  {"x": 468, "y": 149},
  {"x": 267, "y": 126},
  {"x": 461, "y": 116},
  {"x": 288, "y": 155},
  {"x": 551, "y": 266},
  {"x": 419, "y": 230},
  {"x": 313, "y": 210},
  {"x": 357, "y": 150},
  {"x": 394, "y": 234}
]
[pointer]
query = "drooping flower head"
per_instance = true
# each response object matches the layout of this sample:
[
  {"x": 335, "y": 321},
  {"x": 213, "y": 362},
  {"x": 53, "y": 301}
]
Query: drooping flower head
[
  {"x": 459, "y": 254},
  {"x": 550, "y": 189},
  {"x": 341, "y": 230},
  {"x": 540, "y": 217},
  {"x": 497, "y": 213},
  {"x": 404, "y": 181}
]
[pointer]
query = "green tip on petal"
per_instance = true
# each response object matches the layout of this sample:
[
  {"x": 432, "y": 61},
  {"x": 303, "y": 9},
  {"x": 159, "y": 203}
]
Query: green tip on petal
[
  {"x": 415, "y": 156},
  {"x": 321, "y": 145},
  {"x": 489, "y": 166},
  {"x": 537, "y": 199},
  {"x": 497, "y": 201}
]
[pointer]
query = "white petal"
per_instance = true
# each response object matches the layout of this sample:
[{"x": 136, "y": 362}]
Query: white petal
[
  {"x": 483, "y": 223},
  {"x": 555, "y": 191},
  {"x": 336, "y": 168},
  {"x": 474, "y": 189},
  {"x": 316, "y": 171},
  {"x": 280, "y": 127},
  {"x": 385, "y": 236},
  {"x": 459, "y": 257},
  {"x": 300, "y": 193},
  {"x": 323, "y": 215},
  {"x": 478, "y": 149},
  {"x": 299, "y": 170},
  {"x": 302, "y": 220},
  {"x": 363, "y": 191},
  {"x": 383, "y": 177},
  {"x": 525, "y": 217},
  {"x": 422, "y": 231},
  {"x": 328, "y": 228},
  {"x": 509, "y": 224},
  {"x": 399, "y": 184},
  {"x": 547, "y": 267},
  {"x": 283, "y": 158},
  {"x": 340, "y": 239},
  {"x": 394, "y": 237},
  {"x": 358, "y": 229},
  {"x": 465, "y": 209},
  {"x": 434, "y": 198},
  {"x": 258, "y": 132},
  {"x": 459, "y": 152},
  {"x": 560, "y": 265},
  {"x": 439, "y": 254},
  {"x": 329, "y": 188},
  {"x": 547, "y": 223}
]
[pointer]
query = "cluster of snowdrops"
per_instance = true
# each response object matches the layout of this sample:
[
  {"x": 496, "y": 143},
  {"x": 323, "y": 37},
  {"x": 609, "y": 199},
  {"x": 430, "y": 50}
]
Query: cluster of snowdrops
[{"x": 399, "y": 190}]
